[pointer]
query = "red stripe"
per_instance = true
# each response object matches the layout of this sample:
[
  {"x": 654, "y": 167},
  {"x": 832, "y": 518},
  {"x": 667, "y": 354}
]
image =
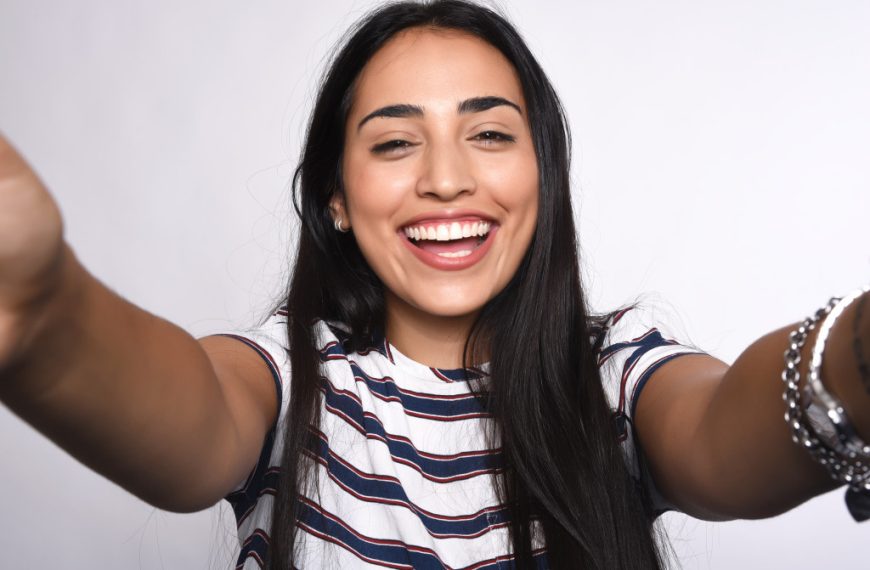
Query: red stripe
[
  {"x": 347, "y": 547},
  {"x": 388, "y": 351},
  {"x": 389, "y": 379},
  {"x": 409, "y": 505},
  {"x": 440, "y": 376},
  {"x": 325, "y": 437},
  {"x": 262, "y": 351},
  {"x": 665, "y": 357},
  {"x": 264, "y": 491},
  {"x": 602, "y": 360},
  {"x": 253, "y": 554},
  {"x": 369, "y": 539},
  {"x": 623, "y": 382},
  {"x": 620, "y": 314},
  {"x": 403, "y": 461},
  {"x": 646, "y": 334},
  {"x": 406, "y": 391},
  {"x": 389, "y": 542}
]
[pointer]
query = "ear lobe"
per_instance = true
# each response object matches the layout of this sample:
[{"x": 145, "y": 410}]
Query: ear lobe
[{"x": 339, "y": 213}]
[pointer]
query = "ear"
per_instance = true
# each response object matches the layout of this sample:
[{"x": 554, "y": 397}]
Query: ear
[{"x": 339, "y": 211}]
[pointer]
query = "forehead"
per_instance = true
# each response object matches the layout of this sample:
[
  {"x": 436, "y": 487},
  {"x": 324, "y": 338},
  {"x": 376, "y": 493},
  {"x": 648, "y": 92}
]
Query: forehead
[{"x": 432, "y": 68}]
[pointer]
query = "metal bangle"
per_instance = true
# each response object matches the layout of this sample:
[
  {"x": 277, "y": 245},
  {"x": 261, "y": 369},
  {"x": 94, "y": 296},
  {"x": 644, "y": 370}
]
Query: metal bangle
[
  {"x": 847, "y": 440},
  {"x": 853, "y": 471}
]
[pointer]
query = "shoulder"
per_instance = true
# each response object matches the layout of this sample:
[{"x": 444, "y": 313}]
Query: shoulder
[
  {"x": 270, "y": 340},
  {"x": 631, "y": 343}
]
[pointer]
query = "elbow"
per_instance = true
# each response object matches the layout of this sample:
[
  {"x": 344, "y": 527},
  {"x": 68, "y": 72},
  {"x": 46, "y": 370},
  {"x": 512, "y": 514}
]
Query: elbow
[
  {"x": 181, "y": 504},
  {"x": 728, "y": 493}
]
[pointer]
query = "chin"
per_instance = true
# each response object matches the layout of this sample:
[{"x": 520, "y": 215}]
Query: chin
[
  {"x": 453, "y": 311},
  {"x": 452, "y": 304}
]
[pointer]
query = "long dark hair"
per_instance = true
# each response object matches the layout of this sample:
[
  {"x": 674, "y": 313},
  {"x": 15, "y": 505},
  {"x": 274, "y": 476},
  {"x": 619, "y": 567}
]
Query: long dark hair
[{"x": 563, "y": 462}]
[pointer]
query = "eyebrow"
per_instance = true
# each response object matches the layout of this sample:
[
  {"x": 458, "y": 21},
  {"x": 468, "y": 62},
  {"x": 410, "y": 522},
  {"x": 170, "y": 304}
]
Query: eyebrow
[
  {"x": 405, "y": 110},
  {"x": 480, "y": 104},
  {"x": 393, "y": 111}
]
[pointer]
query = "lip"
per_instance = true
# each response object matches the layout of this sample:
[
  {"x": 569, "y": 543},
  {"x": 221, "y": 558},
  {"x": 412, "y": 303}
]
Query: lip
[
  {"x": 449, "y": 215},
  {"x": 450, "y": 263}
]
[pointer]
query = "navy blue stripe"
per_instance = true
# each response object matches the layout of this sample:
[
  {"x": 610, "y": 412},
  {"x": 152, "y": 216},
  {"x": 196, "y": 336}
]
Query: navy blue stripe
[
  {"x": 384, "y": 552},
  {"x": 444, "y": 408},
  {"x": 267, "y": 358},
  {"x": 351, "y": 410},
  {"x": 646, "y": 376},
  {"x": 255, "y": 547},
  {"x": 245, "y": 499},
  {"x": 458, "y": 374},
  {"x": 390, "y": 491},
  {"x": 376, "y": 343},
  {"x": 651, "y": 339},
  {"x": 379, "y": 345},
  {"x": 389, "y": 553}
]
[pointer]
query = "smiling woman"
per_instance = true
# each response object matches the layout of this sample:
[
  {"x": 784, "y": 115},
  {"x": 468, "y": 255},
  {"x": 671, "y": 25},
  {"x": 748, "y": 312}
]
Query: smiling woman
[
  {"x": 451, "y": 110},
  {"x": 432, "y": 390},
  {"x": 430, "y": 115}
]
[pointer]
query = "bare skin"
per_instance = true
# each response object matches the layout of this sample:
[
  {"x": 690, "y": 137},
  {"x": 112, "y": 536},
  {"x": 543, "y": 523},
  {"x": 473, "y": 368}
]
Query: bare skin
[
  {"x": 441, "y": 160},
  {"x": 125, "y": 391},
  {"x": 130, "y": 395}
]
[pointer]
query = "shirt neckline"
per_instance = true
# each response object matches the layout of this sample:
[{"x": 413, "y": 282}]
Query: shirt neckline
[{"x": 432, "y": 373}]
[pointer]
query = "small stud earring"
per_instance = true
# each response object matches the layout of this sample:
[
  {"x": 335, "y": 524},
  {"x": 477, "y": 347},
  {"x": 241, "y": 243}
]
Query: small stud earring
[{"x": 338, "y": 225}]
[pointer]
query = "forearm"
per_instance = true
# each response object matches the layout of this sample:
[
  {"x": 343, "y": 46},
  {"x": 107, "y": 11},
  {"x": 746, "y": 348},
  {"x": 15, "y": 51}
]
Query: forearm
[
  {"x": 751, "y": 452},
  {"x": 128, "y": 394}
]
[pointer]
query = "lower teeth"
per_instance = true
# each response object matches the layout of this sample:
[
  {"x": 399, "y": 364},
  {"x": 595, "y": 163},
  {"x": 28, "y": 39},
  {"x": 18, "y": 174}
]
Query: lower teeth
[{"x": 462, "y": 253}]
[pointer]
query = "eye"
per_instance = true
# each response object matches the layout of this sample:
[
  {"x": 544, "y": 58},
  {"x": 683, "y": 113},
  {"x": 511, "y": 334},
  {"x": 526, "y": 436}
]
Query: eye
[
  {"x": 392, "y": 147},
  {"x": 492, "y": 138}
]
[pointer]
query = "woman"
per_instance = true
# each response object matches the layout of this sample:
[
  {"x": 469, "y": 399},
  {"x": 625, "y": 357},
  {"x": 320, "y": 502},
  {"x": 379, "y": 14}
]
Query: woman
[{"x": 432, "y": 120}]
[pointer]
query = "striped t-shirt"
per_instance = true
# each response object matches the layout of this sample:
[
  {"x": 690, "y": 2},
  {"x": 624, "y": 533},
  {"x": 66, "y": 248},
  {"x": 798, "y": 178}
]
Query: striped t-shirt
[{"x": 405, "y": 477}]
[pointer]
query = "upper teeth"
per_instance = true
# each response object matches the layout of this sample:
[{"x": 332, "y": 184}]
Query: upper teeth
[{"x": 446, "y": 232}]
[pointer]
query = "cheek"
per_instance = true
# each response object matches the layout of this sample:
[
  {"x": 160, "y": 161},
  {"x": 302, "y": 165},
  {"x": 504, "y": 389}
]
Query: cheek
[
  {"x": 374, "y": 195},
  {"x": 515, "y": 188},
  {"x": 373, "y": 192}
]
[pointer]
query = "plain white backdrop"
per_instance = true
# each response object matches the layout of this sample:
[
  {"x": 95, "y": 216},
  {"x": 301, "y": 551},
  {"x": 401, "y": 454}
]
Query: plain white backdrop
[{"x": 721, "y": 164}]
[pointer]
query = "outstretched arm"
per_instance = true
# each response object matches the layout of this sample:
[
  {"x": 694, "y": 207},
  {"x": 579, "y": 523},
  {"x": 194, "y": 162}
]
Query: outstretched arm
[
  {"x": 715, "y": 436},
  {"x": 175, "y": 421}
]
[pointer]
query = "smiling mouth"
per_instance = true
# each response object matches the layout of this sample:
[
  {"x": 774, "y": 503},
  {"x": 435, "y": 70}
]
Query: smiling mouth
[{"x": 450, "y": 240}]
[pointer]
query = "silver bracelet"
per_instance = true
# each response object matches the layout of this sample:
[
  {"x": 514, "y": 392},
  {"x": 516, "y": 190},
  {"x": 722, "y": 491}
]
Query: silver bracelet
[
  {"x": 814, "y": 431},
  {"x": 801, "y": 433},
  {"x": 847, "y": 440}
]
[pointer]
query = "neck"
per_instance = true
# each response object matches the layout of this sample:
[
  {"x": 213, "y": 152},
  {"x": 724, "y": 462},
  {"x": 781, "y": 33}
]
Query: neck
[{"x": 432, "y": 340}]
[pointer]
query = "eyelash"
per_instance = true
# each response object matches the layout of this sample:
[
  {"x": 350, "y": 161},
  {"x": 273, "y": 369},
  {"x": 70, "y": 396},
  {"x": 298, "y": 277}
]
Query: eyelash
[
  {"x": 390, "y": 146},
  {"x": 494, "y": 136},
  {"x": 487, "y": 137}
]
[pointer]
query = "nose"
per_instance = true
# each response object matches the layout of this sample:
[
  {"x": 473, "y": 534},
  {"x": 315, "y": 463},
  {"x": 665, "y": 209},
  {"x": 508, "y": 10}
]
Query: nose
[{"x": 445, "y": 173}]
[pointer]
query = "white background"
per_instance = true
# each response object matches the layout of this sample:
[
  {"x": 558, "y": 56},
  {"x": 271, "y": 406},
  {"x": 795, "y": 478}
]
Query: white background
[{"x": 721, "y": 164}]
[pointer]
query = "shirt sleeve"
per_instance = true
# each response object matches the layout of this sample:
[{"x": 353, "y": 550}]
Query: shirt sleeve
[
  {"x": 269, "y": 341},
  {"x": 635, "y": 345}
]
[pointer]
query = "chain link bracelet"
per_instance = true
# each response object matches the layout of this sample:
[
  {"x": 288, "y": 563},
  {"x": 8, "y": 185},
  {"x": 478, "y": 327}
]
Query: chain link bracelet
[
  {"x": 847, "y": 441},
  {"x": 815, "y": 430}
]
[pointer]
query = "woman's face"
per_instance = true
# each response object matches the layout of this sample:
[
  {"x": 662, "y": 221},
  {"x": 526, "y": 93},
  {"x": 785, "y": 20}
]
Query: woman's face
[{"x": 440, "y": 175}]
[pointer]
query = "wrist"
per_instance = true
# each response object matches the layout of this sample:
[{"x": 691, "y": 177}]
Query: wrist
[{"x": 30, "y": 323}]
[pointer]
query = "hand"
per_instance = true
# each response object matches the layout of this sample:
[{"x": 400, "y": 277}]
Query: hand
[{"x": 32, "y": 252}]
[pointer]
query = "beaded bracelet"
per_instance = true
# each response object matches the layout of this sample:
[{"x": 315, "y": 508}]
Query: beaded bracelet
[{"x": 827, "y": 436}]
